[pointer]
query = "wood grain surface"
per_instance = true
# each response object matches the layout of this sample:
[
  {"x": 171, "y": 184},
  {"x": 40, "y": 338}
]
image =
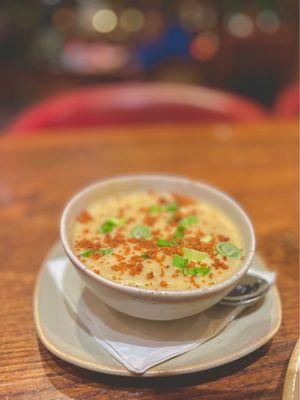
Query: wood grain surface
[{"x": 257, "y": 164}]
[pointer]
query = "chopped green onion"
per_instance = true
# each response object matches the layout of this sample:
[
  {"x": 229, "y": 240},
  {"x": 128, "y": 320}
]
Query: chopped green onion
[
  {"x": 171, "y": 207},
  {"x": 141, "y": 231},
  {"x": 107, "y": 226},
  {"x": 119, "y": 221},
  {"x": 207, "y": 239},
  {"x": 154, "y": 208},
  {"x": 194, "y": 255},
  {"x": 198, "y": 271},
  {"x": 164, "y": 243},
  {"x": 191, "y": 219},
  {"x": 228, "y": 249},
  {"x": 87, "y": 253},
  {"x": 145, "y": 256},
  {"x": 179, "y": 233},
  {"x": 106, "y": 251},
  {"x": 179, "y": 262},
  {"x": 110, "y": 224}
]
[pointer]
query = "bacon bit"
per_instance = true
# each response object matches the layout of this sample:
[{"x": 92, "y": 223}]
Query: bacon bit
[
  {"x": 121, "y": 266},
  {"x": 175, "y": 275},
  {"x": 161, "y": 259},
  {"x": 162, "y": 272},
  {"x": 210, "y": 275},
  {"x": 219, "y": 264},
  {"x": 192, "y": 280},
  {"x": 84, "y": 217},
  {"x": 136, "y": 259},
  {"x": 195, "y": 243},
  {"x": 164, "y": 284},
  {"x": 149, "y": 220},
  {"x": 150, "y": 275},
  {"x": 95, "y": 256},
  {"x": 183, "y": 200},
  {"x": 199, "y": 233},
  {"x": 117, "y": 240},
  {"x": 119, "y": 257},
  {"x": 156, "y": 232},
  {"x": 121, "y": 212},
  {"x": 135, "y": 269},
  {"x": 223, "y": 238},
  {"x": 96, "y": 271},
  {"x": 126, "y": 251},
  {"x": 162, "y": 200},
  {"x": 177, "y": 216},
  {"x": 88, "y": 244},
  {"x": 170, "y": 251}
]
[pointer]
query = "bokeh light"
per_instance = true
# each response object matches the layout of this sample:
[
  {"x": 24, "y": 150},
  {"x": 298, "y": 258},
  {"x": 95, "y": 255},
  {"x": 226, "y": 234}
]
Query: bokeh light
[
  {"x": 132, "y": 19},
  {"x": 268, "y": 21},
  {"x": 64, "y": 19},
  {"x": 240, "y": 25},
  {"x": 204, "y": 46},
  {"x": 104, "y": 21},
  {"x": 191, "y": 15}
]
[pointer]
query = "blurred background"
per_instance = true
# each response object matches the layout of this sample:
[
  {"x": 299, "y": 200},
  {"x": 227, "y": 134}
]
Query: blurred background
[{"x": 248, "y": 47}]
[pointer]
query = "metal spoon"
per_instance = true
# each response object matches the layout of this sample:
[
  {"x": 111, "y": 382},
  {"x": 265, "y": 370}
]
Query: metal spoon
[{"x": 249, "y": 290}]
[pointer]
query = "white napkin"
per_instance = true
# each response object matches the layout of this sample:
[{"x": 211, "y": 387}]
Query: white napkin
[{"x": 140, "y": 344}]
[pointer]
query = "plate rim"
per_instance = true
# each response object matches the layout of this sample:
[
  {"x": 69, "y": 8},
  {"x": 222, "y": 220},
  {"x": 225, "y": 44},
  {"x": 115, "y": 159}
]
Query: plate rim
[
  {"x": 291, "y": 374},
  {"x": 152, "y": 372}
]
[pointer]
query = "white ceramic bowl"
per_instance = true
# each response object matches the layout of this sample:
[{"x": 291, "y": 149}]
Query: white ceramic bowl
[{"x": 146, "y": 303}]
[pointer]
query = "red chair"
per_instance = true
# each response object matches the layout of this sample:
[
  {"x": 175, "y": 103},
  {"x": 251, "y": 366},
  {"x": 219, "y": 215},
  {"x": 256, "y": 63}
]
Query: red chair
[
  {"x": 111, "y": 105},
  {"x": 287, "y": 103}
]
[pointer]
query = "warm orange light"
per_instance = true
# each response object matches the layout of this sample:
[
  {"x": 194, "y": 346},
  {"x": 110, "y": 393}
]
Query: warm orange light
[{"x": 204, "y": 46}]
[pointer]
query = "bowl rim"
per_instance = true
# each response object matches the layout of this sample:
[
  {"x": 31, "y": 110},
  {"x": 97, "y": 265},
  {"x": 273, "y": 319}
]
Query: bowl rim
[{"x": 148, "y": 293}]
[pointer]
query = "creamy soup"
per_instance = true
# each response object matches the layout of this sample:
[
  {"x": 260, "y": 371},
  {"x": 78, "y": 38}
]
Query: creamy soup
[{"x": 157, "y": 241}]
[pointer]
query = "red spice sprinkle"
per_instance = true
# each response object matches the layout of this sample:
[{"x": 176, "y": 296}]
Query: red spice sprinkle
[
  {"x": 192, "y": 280},
  {"x": 135, "y": 269},
  {"x": 149, "y": 220},
  {"x": 162, "y": 200},
  {"x": 121, "y": 212},
  {"x": 219, "y": 264},
  {"x": 183, "y": 200},
  {"x": 96, "y": 256},
  {"x": 84, "y": 217},
  {"x": 164, "y": 284},
  {"x": 88, "y": 244},
  {"x": 150, "y": 275},
  {"x": 223, "y": 238}
]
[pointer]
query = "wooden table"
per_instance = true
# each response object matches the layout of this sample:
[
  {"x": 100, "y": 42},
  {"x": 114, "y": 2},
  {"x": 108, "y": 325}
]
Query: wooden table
[{"x": 256, "y": 163}]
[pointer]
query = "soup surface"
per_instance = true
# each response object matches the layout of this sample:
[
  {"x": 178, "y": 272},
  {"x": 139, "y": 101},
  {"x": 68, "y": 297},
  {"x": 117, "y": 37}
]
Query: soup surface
[{"x": 157, "y": 241}]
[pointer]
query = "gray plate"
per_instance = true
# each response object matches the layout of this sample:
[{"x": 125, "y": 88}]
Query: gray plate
[{"x": 68, "y": 339}]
